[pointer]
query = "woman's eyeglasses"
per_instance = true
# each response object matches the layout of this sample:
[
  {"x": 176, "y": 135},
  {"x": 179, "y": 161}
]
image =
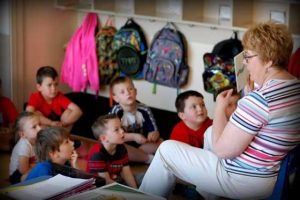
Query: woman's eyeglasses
[{"x": 247, "y": 57}]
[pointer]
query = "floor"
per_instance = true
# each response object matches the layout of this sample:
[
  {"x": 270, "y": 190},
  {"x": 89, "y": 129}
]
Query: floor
[{"x": 4, "y": 160}]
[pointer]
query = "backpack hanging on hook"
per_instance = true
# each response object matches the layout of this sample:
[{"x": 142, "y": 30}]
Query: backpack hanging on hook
[
  {"x": 131, "y": 47},
  {"x": 166, "y": 62},
  {"x": 219, "y": 65},
  {"x": 108, "y": 67}
]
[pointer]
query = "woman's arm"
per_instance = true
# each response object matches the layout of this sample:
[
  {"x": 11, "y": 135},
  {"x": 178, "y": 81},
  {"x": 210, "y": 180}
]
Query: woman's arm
[
  {"x": 128, "y": 176},
  {"x": 232, "y": 142},
  {"x": 229, "y": 141}
]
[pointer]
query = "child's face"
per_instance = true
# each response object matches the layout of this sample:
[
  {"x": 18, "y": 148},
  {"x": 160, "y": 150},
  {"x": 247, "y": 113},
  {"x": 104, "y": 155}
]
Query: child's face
[
  {"x": 31, "y": 127},
  {"x": 232, "y": 105},
  {"x": 124, "y": 93},
  {"x": 114, "y": 132},
  {"x": 65, "y": 150},
  {"x": 48, "y": 87},
  {"x": 195, "y": 112}
]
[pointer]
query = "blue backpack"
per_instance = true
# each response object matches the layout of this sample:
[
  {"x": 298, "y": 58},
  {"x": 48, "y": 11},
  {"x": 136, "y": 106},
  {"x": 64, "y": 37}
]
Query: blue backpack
[
  {"x": 166, "y": 59},
  {"x": 131, "y": 47}
]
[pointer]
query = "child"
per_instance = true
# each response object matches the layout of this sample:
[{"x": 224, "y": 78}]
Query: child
[
  {"x": 53, "y": 146},
  {"x": 55, "y": 109},
  {"x": 137, "y": 121},
  {"x": 194, "y": 120},
  {"x": 23, "y": 157},
  {"x": 109, "y": 158}
]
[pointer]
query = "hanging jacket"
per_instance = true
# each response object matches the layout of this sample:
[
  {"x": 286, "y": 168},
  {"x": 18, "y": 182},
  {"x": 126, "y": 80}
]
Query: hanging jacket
[{"x": 80, "y": 67}]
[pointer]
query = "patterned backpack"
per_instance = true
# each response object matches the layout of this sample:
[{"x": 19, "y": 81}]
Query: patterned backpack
[
  {"x": 131, "y": 47},
  {"x": 166, "y": 59},
  {"x": 108, "y": 67}
]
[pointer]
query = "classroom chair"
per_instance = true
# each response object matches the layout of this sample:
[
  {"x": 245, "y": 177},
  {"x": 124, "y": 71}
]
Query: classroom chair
[{"x": 284, "y": 187}]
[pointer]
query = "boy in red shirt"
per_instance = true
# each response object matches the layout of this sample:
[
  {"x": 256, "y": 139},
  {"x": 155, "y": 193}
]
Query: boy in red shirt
[
  {"x": 54, "y": 108},
  {"x": 109, "y": 158},
  {"x": 194, "y": 120}
]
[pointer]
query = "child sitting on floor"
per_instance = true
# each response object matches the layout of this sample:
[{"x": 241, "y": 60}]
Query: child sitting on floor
[
  {"x": 54, "y": 107},
  {"x": 142, "y": 136},
  {"x": 22, "y": 157},
  {"x": 194, "y": 120},
  {"x": 109, "y": 158},
  {"x": 52, "y": 146}
]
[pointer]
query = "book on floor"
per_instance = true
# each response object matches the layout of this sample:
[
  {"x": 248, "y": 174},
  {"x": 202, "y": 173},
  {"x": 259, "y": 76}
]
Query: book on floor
[
  {"x": 115, "y": 191},
  {"x": 57, "y": 187}
]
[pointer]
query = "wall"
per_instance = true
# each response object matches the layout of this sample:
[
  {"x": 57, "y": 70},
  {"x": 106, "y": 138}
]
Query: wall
[
  {"x": 5, "y": 72},
  {"x": 47, "y": 29},
  {"x": 40, "y": 33},
  {"x": 200, "y": 40}
]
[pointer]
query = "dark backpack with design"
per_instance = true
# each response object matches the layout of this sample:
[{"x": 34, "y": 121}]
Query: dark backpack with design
[
  {"x": 108, "y": 67},
  {"x": 131, "y": 47},
  {"x": 166, "y": 59}
]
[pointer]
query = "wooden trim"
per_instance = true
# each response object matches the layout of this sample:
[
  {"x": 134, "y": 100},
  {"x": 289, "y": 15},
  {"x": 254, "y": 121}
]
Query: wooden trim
[
  {"x": 17, "y": 53},
  {"x": 84, "y": 139}
]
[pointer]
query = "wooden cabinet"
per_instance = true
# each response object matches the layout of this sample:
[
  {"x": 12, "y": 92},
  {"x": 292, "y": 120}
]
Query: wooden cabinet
[{"x": 220, "y": 13}]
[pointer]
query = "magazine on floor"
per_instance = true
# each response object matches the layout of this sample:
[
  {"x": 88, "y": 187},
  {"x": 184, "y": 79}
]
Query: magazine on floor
[
  {"x": 56, "y": 187},
  {"x": 114, "y": 191}
]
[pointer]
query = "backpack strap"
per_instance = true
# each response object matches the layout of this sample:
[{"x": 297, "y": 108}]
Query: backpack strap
[
  {"x": 109, "y": 22},
  {"x": 171, "y": 25}
]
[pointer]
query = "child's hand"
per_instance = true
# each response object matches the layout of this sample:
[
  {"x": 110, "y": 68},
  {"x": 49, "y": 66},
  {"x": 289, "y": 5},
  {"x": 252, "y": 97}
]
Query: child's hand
[
  {"x": 73, "y": 159},
  {"x": 56, "y": 123},
  {"x": 153, "y": 136},
  {"x": 140, "y": 139}
]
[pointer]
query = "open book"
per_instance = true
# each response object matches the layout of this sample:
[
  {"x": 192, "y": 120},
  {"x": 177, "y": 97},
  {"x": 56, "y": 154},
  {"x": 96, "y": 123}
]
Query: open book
[
  {"x": 241, "y": 72},
  {"x": 56, "y": 187},
  {"x": 114, "y": 191}
]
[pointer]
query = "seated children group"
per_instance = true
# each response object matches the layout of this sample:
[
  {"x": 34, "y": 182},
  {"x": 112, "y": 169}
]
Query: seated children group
[{"x": 127, "y": 133}]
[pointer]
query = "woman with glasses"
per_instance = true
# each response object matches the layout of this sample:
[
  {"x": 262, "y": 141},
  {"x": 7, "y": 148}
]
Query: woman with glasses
[{"x": 242, "y": 156}]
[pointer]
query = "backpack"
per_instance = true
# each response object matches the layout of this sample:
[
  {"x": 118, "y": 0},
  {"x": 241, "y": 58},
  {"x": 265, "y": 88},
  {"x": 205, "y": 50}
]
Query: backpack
[
  {"x": 219, "y": 70},
  {"x": 166, "y": 59},
  {"x": 108, "y": 67},
  {"x": 131, "y": 47}
]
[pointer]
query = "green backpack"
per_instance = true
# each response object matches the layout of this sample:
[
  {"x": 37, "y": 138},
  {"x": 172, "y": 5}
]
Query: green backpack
[{"x": 108, "y": 67}]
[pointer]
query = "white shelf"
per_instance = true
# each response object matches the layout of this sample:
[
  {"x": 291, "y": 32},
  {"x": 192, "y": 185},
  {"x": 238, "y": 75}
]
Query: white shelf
[{"x": 238, "y": 15}]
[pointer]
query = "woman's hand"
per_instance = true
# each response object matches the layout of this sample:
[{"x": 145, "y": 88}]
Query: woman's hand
[{"x": 223, "y": 100}]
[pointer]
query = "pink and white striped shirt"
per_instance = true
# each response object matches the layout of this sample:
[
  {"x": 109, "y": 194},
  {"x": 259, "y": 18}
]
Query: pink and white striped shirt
[{"x": 272, "y": 114}]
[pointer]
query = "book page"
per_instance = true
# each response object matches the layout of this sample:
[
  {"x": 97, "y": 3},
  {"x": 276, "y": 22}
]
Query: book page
[
  {"x": 241, "y": 72},
  {"x": 114, "y": 191},
  {"x": 48, "y": 188}
]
